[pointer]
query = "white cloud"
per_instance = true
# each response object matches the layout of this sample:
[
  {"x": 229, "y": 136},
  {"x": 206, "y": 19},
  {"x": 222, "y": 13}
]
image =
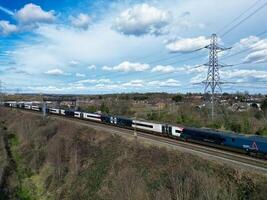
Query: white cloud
[
  {"x": 6, "y": 28},
  {"x": 198, "y": 78},
  {"x": 142, "y": 83},
  {"x": 246, "y": 42},
  {"x": 92, "y": 67},
  {"x": 256, "y": 47},
  {"x": 74, "y": 62},
  {"x": 254, "y": 74},
  {"x": 106, "y": 68},
  {"x": 55, "y": 72},
  {"x": 167, "y": 83},
  {"x": 235, "y": 76},
  {"x": 105, "y": 85},
  {"x": 28, "y": 18},
  {"x": 81, "y": 21},
  {"x": 185, "y": 69},
  {"x": 49, "y": 47},
  {"x": 256, "y": 57},
  {"x": 94, "y": 81},
  {"x": 165, "y": 69},
  {"x": 127, "y": 67},
  {"x": 142, "y": 19},
  {"x": 196, "y": 69},
  {"x": 32, "y": 13},
  {"x": 80, "y": 75},
  {"x": 187, "y": 44},
  {"x": 134, "y": 83}
]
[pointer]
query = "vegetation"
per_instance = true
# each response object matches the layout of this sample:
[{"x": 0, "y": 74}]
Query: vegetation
[
  {"x": 177, "y": 98},
  {"x": 61, "y": 160},
  {"x": 183, "y": 110},
  {"x": 264, "y": 107}
]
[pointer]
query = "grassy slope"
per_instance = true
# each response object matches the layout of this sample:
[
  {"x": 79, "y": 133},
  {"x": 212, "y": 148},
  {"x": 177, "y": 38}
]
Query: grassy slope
[{"x": 60, "y": 160}]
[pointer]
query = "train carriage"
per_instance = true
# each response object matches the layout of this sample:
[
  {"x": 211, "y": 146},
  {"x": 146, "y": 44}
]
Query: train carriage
[
  {"x": 69, "y": 113},
  {"x": 202, "y": 135},
  {"x": 62, "y": 112},
  {"x": 54, "y": 110},
  {"x": 28, "y": 107},
  {"x": 147, "y": 126},
  {"x": 92, "y": 116},
  {"x": 122, "y": 121},
  {"x": 117, "y": 120},
  {"x": 35, "y": 108},
  {"x": 249, "y": 144},
  {"x": 78, "y": 114}
]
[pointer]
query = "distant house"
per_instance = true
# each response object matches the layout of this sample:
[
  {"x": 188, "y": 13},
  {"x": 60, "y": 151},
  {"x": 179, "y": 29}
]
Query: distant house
[
  {"x": 201, "y": 106},
  {"x": 239, "y": 107},
  {"x": 253, "y": 104}
]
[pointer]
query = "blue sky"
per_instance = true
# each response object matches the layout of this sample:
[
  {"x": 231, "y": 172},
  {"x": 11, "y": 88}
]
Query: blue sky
[{"x": 95, "y": 47}]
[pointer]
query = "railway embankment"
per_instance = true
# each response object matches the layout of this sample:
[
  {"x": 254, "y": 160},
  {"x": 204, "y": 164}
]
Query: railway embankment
[
  {"x": 3, "y": 165},
  {"x": 56, "y": 159},
  {"x": 8, "y": 173}
]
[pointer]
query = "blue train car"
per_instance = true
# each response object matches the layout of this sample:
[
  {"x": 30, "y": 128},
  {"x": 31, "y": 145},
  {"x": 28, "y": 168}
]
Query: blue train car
[
  {"x": 106, "y": 119},
  {"x": 256, "y": 144},
  {"x": 119, "y": 121},
  {"x": 239, "y": 142},
  {"x": 69, "y": 113},
  {"x": 122, "y": 121},
  {"x": 202, "y": 135}
]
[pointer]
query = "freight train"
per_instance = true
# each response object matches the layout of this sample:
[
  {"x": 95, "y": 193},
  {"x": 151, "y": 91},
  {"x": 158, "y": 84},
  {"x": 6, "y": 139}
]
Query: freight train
[{"x": 251, "y": 145}]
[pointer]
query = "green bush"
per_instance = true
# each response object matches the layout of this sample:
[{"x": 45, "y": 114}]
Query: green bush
[{"x": 177, "y": 98}]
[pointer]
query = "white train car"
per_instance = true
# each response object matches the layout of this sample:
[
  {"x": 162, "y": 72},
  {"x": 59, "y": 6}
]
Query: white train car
[
  {"x": 54, "y": 110},
  {"x": 148, "y": 126},
  {"x": 62, "y": 112},
  {"x": 36, "y": 108},
  {"x": 14, "y": 104},
  {"x": 9, "y": 103},
  {"x": 177, "y": 131},
  {"x": 92, "y": 116},
  {"x": 28, "y": 107},
  {"x": 77, "y": 114}
]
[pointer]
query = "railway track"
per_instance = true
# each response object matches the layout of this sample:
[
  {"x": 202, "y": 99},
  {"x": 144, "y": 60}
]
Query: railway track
[{"x": 234, "y": 159}]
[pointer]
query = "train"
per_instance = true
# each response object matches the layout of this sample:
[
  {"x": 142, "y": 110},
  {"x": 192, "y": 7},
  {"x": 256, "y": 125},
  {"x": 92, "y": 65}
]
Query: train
[{"x": 252, "y": 145}]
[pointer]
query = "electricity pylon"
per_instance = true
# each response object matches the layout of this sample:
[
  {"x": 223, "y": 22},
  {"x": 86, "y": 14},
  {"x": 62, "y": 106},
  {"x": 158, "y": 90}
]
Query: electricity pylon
[{"x": 213, "y": 77}]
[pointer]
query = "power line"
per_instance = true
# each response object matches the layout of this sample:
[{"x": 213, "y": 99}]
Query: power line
[
  {"x": 122, "y": 73},
  {"x": 245, "y": 50},
  {"x": 118, "y": 74},
  {"x": 239, "y": 16},
  {"x": 243, "y": 20}
]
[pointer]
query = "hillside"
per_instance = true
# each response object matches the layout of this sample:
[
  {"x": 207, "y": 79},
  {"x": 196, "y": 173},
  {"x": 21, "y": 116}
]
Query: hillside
[{"x": 54, "y": 159}]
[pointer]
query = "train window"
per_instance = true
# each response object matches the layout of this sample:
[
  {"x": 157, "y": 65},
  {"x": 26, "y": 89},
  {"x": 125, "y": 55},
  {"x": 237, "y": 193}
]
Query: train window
[
  {"x": 233, "y": 139},
  {"x": 178, "y": 131}
]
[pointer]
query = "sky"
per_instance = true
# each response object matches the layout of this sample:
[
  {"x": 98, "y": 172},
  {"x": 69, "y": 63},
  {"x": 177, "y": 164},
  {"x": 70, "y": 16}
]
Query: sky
[{"x": 121, "y": 46}]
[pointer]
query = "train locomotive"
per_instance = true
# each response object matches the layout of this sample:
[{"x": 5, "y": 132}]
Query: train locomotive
[{"x": 248, "y": 144}]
